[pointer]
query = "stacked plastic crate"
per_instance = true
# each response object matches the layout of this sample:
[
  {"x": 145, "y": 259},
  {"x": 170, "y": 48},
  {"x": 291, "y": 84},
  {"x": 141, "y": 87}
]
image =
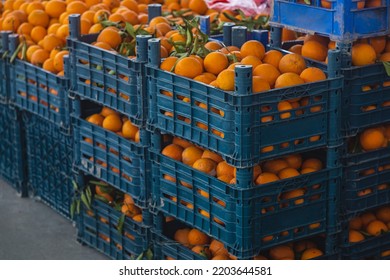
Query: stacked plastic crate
[
  {"x": 247, "y": 218},
  {"x": 103, "y": 80},
  {"x": 42, "y": 97},
  {"x": 12, "y": 155},
  {"x": 364, "y": 105}
]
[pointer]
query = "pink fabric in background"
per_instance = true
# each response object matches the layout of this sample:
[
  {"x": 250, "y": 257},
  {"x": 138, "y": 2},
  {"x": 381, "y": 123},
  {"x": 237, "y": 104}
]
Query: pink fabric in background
[{"x": 249, "y": 7}]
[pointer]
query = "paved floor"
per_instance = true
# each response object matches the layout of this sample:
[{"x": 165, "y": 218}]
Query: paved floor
[{"x": 30, "y": 230}]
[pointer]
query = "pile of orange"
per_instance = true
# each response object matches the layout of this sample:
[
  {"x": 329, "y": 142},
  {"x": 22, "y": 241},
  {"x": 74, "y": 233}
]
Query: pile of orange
[
  {"x": 115, "y": 122},
  {"x": 202, "y": 244},
  {"x": 300, "y": 250},
  {"x": 364, "y": 51},
  {"x": 369, "y": 224}
]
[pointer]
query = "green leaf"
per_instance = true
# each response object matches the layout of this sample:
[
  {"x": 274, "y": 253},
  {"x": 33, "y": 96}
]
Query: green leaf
[
  {"x": 85, "y": 200},
  {"x": 75, "y": 186},
  {"x": 103, "y": 199},
  {"x": 308, "y": 2},
  {"x": 99, "y": 183},
  {"x": 130, "y": 29},
  {"x": 15, "y": 54},
  {"x": 89, "y": 195},
  {"x": 149, "y": 254},
  {"x": 73, "y": 208},
  {"x": 5, "y": 54},
  {"x": 140, "y": 257},
  {"x": 78, "y": 205},
  {"x": 229, "y": 16},
  {"x": 120, "y": 223},
  {"x": 386, "y": 64}
]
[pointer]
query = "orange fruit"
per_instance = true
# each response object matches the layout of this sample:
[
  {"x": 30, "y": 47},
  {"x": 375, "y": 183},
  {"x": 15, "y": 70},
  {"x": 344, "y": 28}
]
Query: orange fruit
[
  {"x": 96, "y": 119},
  {"x": 198, "y": 6},
  {"x": 294, "y": 194},
  {"x": 267, "y": 72},
  {"x": 188, "y": 67},
  {"x": 253, "y": 47},
  {"x": 202, "y": 250},
  {"x": 105, "y": 112},
  {"x": 217, "y": 248},
  {"x": 273, "y": 57},
  {"x": 225, "y": 80},
  {"x": 110, "y": 36},
  {"x": 288, "y": 80},
  {"x": 49, "y": 66},
  {"x": 297, "y": 49},
  {"x": 76, "y": 7},
  {"x": 293, "y": 63},
  {"x": 181, "y": 236},
  {"x": 191, "y": 154},
  {"x": 281, "y": 252},
  {"x": 213, "y": 45},
  {"x": 196, "y": 237},
  {"x": 311, "y": 254},
  {"x": 376, "y": 228},
  {"x": 355, "y": 236},
  {"x": 168, "y": 63},
  {"x": 54, "y": 8},
  {"x": 303, "y": 245},
  {"x": 211, "y": 155},
  {"x": 367, "y": 218},
  {"x": 312, "y": 74},
  {"x": 372, "y": 139},
  {"x": 275, "y": 165},
  {"x": 129, "y": 130},
  {"x": 288, "y": 172},
  {"x": 38, "y": 33},
  {"x": 294, "y": 161},
  {"x": 59, "y": 60},
  {"x": 51, "y": 42},
  {"x": 355, "y": 223},
  {"x": 285, "y": 106},
  {"x": 205, "y": 165},
  {"x": 181, "y": 142},
  {"x": 383, "y": 214},
  {"x": 112, "y": 122},
  {"x": 251, "y": 60},
  {"x": 39, "y": 18},
  {"x": 259, "y": 84},
  {"x": 314, "y": 50},
  {"x": 378, "y": 43},
  {"x": 288, "y": 35},
  {"x": 318, "y": 38},
  {"x": 265, "y": 178},
  {"x": 223, "y": 168},
  {"x": 313, "y": 163},
  {"x": 363, "y": 54},
  {"x": 173, "y": 151},
  {"x": 39, "y": 57},
  {"x": 215, "y": 62}
]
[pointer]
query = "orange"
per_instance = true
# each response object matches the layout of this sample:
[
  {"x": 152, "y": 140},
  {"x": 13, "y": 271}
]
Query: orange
[
  {"x": 284, "y": 106},
  {"x": 253, "y": 47},
  {"x": 198, "y": 6},
  {"x": 313, "y": 163},
  {"x": 25, "y": 28},
  {"x": 314, "y": 50},
  {"x": 191, "y": 154},
  {"x": 373, "y": 3},
  {"x": 51, "y": 42},
  {"x": 130, "y": 4},
  {"x": 130, "y": 210},
  {"x": 38, "y": 33},
  {"x": 383, "y": 214},
  {"x": 110, "y": 36},
  {"x": 281, "y": 252},
  {"x": 196, "y": 237},
  {"x": 303, "y": 245},
  {"x": 53, "y": 28},
  {"x": 204, "y": 79},
  {"x": 378, "y": 43},
  {"x": 288, "y": 80},
  {"x": 39, "y": 18},
  {"x": 36, "y": 5},
  {"x": 101, "y": 15},
  {"x": 215, "y": 62},
  {"x": 376, "y": 228},
  {"x": 311, "y": 254},
  {"x": 173, "y": 151},
  {"x": 363, "y": 54},
  {"x": 127, "y": 199},
  {"x": 267, "y": 72},
  {"x": 265, "y": 178},
  {"x": 288, "y": 172},
  {"x": 217, "y": 248},
  {"x": 252, "y": 60},
  {"x": 188, "y": 67},
  {"x": 297, "y": 49},
  {"x": 54, "y": 8},
  {"x": 288, "y": 35},
  {"x": 10, "y": 23},
  {"x": 76, "y": 7},
  {"x": 355, "y": 236},
  {"x": 96, "y": 28},
  {"x": 385, "y": 56},
  {"x": 273, "y": 57},
  {"x": 225, "y": 80},
  {"x": 223, "y": 168},
  {"x": 213, "y": 45},
  {"x": 259, "y": 84},
  {"x": 211, "y": 155},
  {"x": 372, "y": 139},
  {"x": 318, "y": 38},
  {"x": 181, "y": 236},
  {"x": 202, "y": 250},
  {"x": 105, "y": 112},
  {"x": 181, "y": 142},
  {"x": 367, "y": 218},
  {"x": 356, "y": 223},
  {"x": 59, "y": 60},
  {"x": 312, "y": 74},
  {"x": 205, "y": 165},
  {"x": 48, "y": 66},
  {"x": 129, "y": 130},
  {"x": 293, "y": 63},
  {"x": 39, "y": 57},
  {"x": 96, "y": 119},
  {"x": 294, "y": 161},
  {"x": 294, "y": 194},
  {"x": 63, "y": 32},
  {"x": 275, "y": 165},
  {"x": 113, "y": 123},
  {"x": 168, "y": 63}
]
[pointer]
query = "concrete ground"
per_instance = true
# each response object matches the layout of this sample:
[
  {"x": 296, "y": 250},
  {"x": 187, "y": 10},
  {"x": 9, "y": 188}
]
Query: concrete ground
[{"x": 31, "y": 230}]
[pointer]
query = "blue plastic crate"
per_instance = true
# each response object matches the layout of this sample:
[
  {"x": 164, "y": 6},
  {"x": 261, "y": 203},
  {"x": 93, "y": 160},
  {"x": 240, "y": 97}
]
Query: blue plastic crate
[
  {"x": 4, "y": 67},
  {"x": 234, "y": 123},
  {"x": 365, "y": 99},
  {"x": 342, "y": 22},
  {"x": 111, "y": 79},
  {"x": 108, "y": 156},
  {"x": 12, "y": 149},
  {"x": 50, "y": 163},
  {"x": 362, "y": 190},
  {"x": 98, "y": 228},
  {"x": 38, "y": 91},
  {"x": 243, "y": 216}
]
